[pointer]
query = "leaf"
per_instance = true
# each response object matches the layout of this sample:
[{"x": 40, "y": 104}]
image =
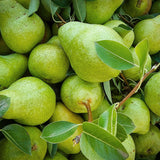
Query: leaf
[
  {"x": 125, "y": 122},
  {"x": 154, "y": 118},
  {"x": 117, "y": 85},
  {"x": 108, "y": 120},
  {"x": 142, "y": 50},
  {"x": 80, "y": 9},
  {"x": 62, "y": 3},
  {"x": 4, "y": 104},
  {"x": 121, "y": 133},
  {"x": 33, "y": 6},
  {"x": 18, "y": 135},
  {"x": 107, "y": 90},
  {"x": 114, "y": 54},
  {"x": 97, "y": 133},
  {"x": 59, "y": 131},
  {"x": 156, "y": 57},
  {"x": 52, "y": 149},
  {"x": 126, "y": 27}
]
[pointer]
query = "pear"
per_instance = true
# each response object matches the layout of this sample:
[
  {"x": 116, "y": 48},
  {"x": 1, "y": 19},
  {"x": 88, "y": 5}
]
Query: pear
[
  {"x": 149, "y": 29},
  {"x": 76, "y": 94},
  {"x": 48, "y": 62},
  {"x": 32, "y": 101},
  {"x": 149, "y": 143},
  {"x": 9, "y": 151},
  {"x": 127, "y": 35},
  {"x": 137, "y": 8},
  {"x": 134, "y": 73},
  {"x": 12, "y": 67},
  {"x": 100, "y": 11},
  {"x": 62, "y": 113},
  {"x": 78, "y": 41},
  {"x": 20, "y": 32},
  {"x": 24, "y": 3},
  {"x": 58, "y": 156},
  {"x": 155, "y": 7},
  {"x": 55, "y": 41},
  {"x": 55, "y": 29},
  {"x": 152, "y": 93},
  {"x": 138, "y": 112}
]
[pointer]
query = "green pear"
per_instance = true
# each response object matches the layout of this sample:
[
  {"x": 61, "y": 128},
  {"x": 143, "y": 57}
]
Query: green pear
[
  {"x": 12, "y": 67},
  {"x": 149, "y": 29},
  {"x": 58, "y": 156},
  {"x": 134, "y": 72},
  {"x": 152, "y": 93},
  {"x": 149, "y": 143},
  {"x": 19, "y": 31},
  {"x": 137, "y": 8},
  {"x": 76, "y": 94},
  {"x": 78, "y": 41},
  {"x": 138, "y": 112},
  {"x": 55, "y": 41},
  {"x": 55, "y": 29},
  {"x": 129, "y": 145},
  {"x": 48, "y": 62},
  {"x": 32, "y": 101},
  {"x": 78, "y": 156},
  {"x": 9, "y": 151},
  {"x": 24, "y": 3},
  {"x": 127, "y": 35},
  {"x": 155, "y": 7},
  {"x": 100, "y": 11},
  {"x": 62, "y": 113}
]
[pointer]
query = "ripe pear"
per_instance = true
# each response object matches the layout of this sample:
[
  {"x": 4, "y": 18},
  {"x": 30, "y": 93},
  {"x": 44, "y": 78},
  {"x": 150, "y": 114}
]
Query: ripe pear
[
  {"x": 138, "y": 112},
  {"x": 58, "y": 156},
  {"x": 32, "y": 101},
  {"x": 152, "y": 93},
  {"x": 155, "y": 7},
  {"x": 100, "y": 11},
  {"x": 149, "y": 143},
  {"x": 127, "y": 35},
  {"x": 137, "y": 8},
  {"x": 78, "y": 41},
  {"x": 12, "y": 67},
  {"x": 20, "y": 32},
  {"x": 134, "y": 73},
  {"x": 62, "y": 113},
  {"x": 48, "y": 62},
  {"x": 77, "y": 93},
  {"x": 149, "y": 29},
  {"x": 9, "y": 151}
]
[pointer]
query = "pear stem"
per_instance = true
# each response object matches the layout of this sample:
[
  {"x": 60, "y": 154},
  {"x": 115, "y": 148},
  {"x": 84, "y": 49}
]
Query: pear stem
[
  {"x": 138, "y": 84},
  {"x": 126, "y": 21},
  {"x": 139, "y": 2},
  {"x": 61, "y": 18},
  {"x": 34, "y": 147}
]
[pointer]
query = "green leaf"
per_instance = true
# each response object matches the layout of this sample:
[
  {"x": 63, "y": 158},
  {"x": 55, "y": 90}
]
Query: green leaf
[
  {"x": 80, "y": 9},
  {"x": 46, "y": 4},
  {"x": 62, "y": 3},
  {"x": 121, "y": 133},
  {"x": 4, "y": 104},
  {"x": 59, "y": 131},
  {"x": 33, "y": 6},
  {"x": 108, "y": 120},
  {"x": 142, "y": 50},
  {"x": 156, "y": 57},
  {"x": 125, "y": 122},
  {"x": 154, "y": 118},
  {"x": 53, "y": 8},
  {"x": 104, "y": 137},
  {"x": 18, "y": 135},
  {"x": 107, "y": 90},
  {"x": 52, "y": 149},
  {"x": 114, "y": 54},
  {"x": 125, "y": 27},
  {"x": 117, "y": 85}
]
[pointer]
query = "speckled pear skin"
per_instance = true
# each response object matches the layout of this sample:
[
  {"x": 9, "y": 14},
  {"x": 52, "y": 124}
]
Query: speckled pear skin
[
  {"x": 149, "y": 29},
  {"x": 100, "y": 11},
  {"x": 9, "y": 151},
  {"x": 78, "y": 41},
  {"x": 20, "y": 32},
  {"x": 12, "y": 67},
  {"x": 32, "y": 101},
  {"x": 75, "y": 92}
]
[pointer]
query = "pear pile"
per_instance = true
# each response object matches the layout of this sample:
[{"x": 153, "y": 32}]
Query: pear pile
[{"x": 51, "y": 71}]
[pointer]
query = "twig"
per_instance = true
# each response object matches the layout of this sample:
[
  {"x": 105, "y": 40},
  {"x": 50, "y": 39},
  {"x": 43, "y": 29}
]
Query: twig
[
  {"x": 124, "y": 78},
  {"x": 60, "y": 18}
]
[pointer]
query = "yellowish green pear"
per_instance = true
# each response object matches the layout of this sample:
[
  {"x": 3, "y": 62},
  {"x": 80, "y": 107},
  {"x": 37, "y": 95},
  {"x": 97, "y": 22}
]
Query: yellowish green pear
[
  {"x": 100, "y": 11},
  {"x": 78, "y": 41},
  {"x": 62, "y": 113},
  {"x": 9, "y": 151},
  {"x": 19, "y": 31},
  {"x": 58, "y": 156},
  {"x": 77, "y": 94},
  {"x": 55, "y": 41},
  {"x": 32, "y": 101},
  {"x": 149, "y": 29},
  {"x": 138, "y": 112},
  {"x": 12, "y": 67}
]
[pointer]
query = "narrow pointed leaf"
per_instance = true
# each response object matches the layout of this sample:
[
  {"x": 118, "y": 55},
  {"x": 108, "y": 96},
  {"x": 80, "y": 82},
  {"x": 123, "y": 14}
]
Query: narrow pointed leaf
[
  {"x": 18, "y": 135},
  {"x": 114, "y": 54},
  {"x": 62, "y": 3},
  {"x": 107, "y": 90},
  {"x": 80, "y": 9},
  {"x": 59, "y": 131},
  {"x": 52, "y": 149},
  {"x": 33, "y": 6},
  {"x": 4, "y": 104},
  {"x": 121, "y": 133}
]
